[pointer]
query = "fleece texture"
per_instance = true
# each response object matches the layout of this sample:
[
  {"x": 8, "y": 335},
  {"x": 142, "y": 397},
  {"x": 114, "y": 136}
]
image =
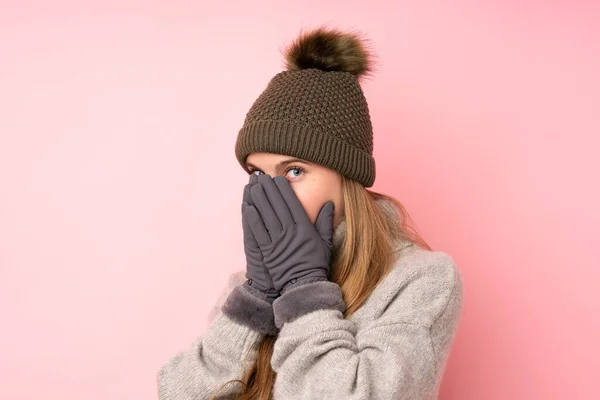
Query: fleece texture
[
  {"x": 247, "y": 309},
  {"x": 305, "y": 299}
]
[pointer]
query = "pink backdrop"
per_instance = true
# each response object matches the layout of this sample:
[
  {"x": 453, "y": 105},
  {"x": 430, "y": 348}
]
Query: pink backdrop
[{"x": 119, "y": 190}]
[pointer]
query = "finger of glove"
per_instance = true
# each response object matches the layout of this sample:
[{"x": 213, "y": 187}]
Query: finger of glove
[
  {"x": 266, "y": 211},
  {"x": 255, "y": 267},
  {"x": 276, "y": 200},
  {"x": 246, "y": 198},
  {"x": 249, "y": 239},
  {"x": 293, "y": 203},
  {"x": 257, "y": 227},
  {"x": 324, "y": 222}
]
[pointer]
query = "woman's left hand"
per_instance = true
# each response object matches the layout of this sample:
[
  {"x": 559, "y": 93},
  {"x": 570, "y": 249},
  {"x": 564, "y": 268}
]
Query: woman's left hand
[{"x": 294, "y": 250}]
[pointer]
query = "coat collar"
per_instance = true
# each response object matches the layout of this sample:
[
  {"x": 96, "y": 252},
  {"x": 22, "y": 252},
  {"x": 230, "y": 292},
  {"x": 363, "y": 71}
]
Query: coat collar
[{"x": 391, "y": 213}]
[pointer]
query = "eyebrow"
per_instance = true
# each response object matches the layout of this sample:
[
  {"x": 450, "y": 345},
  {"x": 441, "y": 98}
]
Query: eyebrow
[{"x": 281, "y": 164}]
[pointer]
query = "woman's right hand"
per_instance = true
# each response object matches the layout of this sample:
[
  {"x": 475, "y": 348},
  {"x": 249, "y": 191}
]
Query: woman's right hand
[{"x": 258, "y": 281}]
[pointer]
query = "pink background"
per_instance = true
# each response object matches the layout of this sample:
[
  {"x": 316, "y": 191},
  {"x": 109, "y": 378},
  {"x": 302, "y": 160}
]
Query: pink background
[{"x": 119, "y": 190}]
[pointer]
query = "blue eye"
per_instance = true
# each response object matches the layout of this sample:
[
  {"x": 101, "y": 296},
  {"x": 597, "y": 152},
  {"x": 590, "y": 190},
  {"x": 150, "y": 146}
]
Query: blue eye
[{"x": 294, "y": 172}]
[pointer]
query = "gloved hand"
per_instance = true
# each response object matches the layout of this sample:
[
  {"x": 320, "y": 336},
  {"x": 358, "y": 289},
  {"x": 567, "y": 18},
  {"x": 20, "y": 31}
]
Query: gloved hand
[
  {"x": 294, "y": 250},
  {"x": 259, "y": 281}
]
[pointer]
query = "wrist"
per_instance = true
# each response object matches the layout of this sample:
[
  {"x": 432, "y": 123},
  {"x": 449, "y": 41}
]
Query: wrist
[
  {"x": 248, "y": 309},
  {"x": 297, "y": 282},
  {"x": 268, "y": 295},
  {"x": 304, "y": 299}
]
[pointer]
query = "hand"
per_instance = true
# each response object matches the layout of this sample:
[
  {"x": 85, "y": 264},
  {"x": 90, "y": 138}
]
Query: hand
[
  {"x": 259, "y": 281},
  {"x": 293, "y": 249}
]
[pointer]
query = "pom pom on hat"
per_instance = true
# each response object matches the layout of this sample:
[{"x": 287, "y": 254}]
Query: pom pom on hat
[{"x": 329, "y": 50}]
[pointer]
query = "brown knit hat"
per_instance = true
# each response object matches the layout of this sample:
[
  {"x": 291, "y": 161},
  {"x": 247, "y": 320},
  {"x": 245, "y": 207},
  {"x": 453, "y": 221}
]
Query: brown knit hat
[{"x": 316, "y": 110}]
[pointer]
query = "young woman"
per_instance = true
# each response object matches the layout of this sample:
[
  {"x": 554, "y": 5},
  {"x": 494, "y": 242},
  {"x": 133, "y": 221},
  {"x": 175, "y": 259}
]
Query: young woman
[{"x": 341, "y": 298}]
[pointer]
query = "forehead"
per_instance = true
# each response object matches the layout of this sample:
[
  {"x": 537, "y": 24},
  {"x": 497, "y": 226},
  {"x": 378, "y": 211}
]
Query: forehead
[{"x": 266, "y": 159}]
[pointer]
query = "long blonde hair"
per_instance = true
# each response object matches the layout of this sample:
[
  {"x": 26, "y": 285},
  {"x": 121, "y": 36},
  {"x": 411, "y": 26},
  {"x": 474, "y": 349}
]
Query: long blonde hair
[{"x": 364, "y": 257}]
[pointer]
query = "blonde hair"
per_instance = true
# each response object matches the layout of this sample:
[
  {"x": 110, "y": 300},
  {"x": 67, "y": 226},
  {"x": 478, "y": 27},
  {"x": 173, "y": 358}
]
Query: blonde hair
[{"x": 364, "y": 257}]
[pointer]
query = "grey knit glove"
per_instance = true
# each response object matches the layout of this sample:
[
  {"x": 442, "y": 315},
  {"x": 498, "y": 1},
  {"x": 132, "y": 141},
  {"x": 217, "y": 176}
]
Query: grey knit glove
[
  {"x": 294, "y": 250},
  {"x": 258, "y": 281}
]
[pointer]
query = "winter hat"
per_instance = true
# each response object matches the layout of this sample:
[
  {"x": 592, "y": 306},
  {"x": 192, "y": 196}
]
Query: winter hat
[{"x": 316, "y": 110}]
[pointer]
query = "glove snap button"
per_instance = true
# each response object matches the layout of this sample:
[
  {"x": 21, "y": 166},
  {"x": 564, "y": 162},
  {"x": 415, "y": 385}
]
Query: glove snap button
[
  {"x": 294, "y": 280},
  {"x": 249, "y": 281}
]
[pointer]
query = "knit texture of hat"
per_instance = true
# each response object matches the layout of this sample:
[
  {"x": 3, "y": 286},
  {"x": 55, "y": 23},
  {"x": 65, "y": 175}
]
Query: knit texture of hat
[{"x": 316, "y": 110}]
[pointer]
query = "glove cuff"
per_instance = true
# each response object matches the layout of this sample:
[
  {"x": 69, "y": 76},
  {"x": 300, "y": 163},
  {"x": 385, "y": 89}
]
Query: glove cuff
[
  {"x": 250, "y": 310},
  {"x": 306, "y": 299}
]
